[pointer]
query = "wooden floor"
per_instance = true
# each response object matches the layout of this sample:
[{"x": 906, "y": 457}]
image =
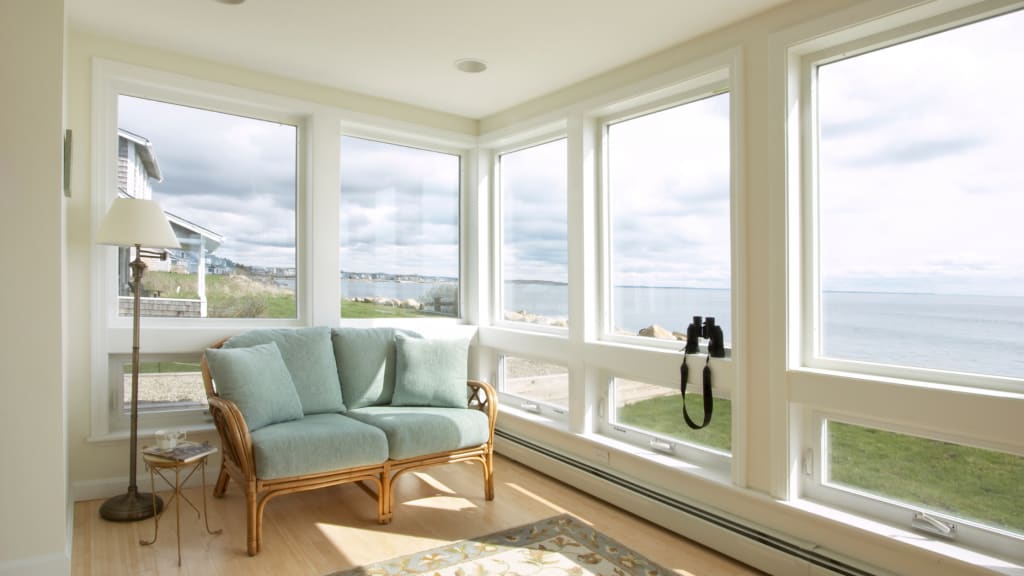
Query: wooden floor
[{"x": 332, "y": 529}]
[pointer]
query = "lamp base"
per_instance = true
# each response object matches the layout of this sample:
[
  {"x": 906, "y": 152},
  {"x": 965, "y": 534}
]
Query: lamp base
[{"x": 131, "y": 506}]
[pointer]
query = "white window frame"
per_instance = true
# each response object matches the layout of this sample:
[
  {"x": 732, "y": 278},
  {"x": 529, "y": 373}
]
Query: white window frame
[
  {"x": 715, "y": 83},
  {"x": 112, "y": 333},
  {"x": 553, "y": 413},
  {"x": 401, "y": 134},
  {"x": 591, "y": 354},
  {"x": 811, "y": 282},
  {"x": 650, "y": 359},
  {"x": 707, "y": 457},
  {"x": 968, "y": 409},
  {"x": 498, "y": 278},
  {"x": 969, "y": 533}
]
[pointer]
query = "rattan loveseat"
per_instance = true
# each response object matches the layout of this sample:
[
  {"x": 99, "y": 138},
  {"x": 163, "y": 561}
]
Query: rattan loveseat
[{"x": 369, "y": 404}]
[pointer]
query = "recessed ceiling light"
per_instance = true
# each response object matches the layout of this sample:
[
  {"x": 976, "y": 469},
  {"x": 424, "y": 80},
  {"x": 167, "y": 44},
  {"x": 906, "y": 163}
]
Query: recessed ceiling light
[
  {"x": 230, "y": 1},
  {"x": 471, "y": 65}
]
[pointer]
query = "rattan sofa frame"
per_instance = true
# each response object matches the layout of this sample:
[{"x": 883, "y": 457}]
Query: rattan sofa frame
[{"x": 237, "y": 461}]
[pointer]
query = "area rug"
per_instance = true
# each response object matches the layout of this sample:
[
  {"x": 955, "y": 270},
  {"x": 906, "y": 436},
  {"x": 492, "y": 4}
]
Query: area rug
[{"x": 561, "y": 545}]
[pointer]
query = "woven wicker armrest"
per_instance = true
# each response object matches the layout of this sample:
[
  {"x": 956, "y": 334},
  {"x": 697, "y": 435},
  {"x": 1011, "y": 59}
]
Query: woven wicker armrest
[
  {"x": 234, "y": 432},
  {"x": 234, "y": 435},
  {"x": 483, "y": 397}
]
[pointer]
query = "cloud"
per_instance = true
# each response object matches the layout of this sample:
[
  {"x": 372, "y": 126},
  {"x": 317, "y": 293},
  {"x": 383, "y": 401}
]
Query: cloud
[
  {"x": 233, "y": 175},
  {"x": 399, "y": 209},
  {"x": 920, "y": 178}
]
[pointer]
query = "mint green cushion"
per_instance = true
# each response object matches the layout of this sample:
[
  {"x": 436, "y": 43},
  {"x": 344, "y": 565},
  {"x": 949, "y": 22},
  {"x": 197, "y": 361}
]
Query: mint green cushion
[
  {"x": 366, "y": 364},
  {"x": 420, "y": 431},
  {"x": 309, "y": 356},
  {"x": 257, "y": 381},
  {"x": 317, "y": 443},
  {"x": 430, "y": 372}
]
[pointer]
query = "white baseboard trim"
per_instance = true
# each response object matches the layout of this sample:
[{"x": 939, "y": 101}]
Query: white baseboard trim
[
  {"x": 743, "y": 549},
  {"x": 49, "y": 565},
  {"x": 107, "y": 487}
]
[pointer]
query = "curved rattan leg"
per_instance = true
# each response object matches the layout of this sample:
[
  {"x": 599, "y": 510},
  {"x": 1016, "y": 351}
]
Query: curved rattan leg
[
  {"x": 252, "y": 523},
  {"x": 382, "y": 503},
  {"x": 488, "y": 463},
  {"x": 385, "y": 501},
  {"x": 222, "y": 482}
]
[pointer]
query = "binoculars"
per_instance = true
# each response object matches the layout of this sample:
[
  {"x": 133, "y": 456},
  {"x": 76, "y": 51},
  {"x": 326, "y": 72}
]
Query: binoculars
[{"x": 705, "y": 328}]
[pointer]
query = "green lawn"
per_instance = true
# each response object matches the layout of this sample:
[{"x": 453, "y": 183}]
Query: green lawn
[
  {"x": 240, "y": 296},
  {"x": 967, "y": 482},
  {"x": 664, "y": 415},
  {"x": 963, "y": 481}
]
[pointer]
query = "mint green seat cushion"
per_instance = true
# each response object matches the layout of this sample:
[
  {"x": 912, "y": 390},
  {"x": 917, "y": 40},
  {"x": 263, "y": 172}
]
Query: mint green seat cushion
[
  {"x": 256, "y": 380},
  {"x": 317, "y": 443},
  {"x": 430, "y": 372},
  {"x": 309, "y": 356},
  {"x": 366, "y": 364},
  {"x": 415, "y": 432}
]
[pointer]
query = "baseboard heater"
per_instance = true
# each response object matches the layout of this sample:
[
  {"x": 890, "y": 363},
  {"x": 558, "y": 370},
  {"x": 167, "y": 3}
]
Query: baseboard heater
[{"x": 774, "y": 542}]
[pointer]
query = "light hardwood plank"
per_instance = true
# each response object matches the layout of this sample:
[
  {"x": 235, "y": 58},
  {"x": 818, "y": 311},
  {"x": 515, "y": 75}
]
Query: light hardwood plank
[{"x": 326, "y": 530}]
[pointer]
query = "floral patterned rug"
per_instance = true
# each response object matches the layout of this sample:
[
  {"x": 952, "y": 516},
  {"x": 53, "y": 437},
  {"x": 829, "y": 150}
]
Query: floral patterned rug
[{"x": 561, "y": 545}]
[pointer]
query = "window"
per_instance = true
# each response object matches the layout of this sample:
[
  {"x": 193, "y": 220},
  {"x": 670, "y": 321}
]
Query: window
[
  {"x": 668, "y": 179},
  {"x": 228, "y": 186},
  {"x": 946, "y": 479},
  {"x": 534, "y": 247},
  {"x": 657, "y": 411},
  {"x": 919, "y": 202},
  {"x": 228, "y": 167},
  {"x": 171, "y": 391},
  {"x": 164, "y": 385},
  {"x": 911, "y": 279},
  {"x": 537, "y": 382},
  {"x": 399, "y": 231}
]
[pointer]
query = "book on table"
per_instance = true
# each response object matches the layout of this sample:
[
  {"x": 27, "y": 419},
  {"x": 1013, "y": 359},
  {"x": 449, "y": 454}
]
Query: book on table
[{"x": 184, "y": 451}]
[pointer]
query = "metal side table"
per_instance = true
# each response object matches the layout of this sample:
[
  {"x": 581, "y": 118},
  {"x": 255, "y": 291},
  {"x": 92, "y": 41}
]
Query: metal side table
[{"x": 157, "y": 466}]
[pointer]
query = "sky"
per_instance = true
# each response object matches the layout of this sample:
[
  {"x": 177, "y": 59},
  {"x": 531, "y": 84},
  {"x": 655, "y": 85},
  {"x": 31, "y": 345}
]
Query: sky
[
  {"x": 921, "y": 177},
  {"x": 921, "y": 182},
  {"x": 399, "y": 209},
  {"x": 232, "y": 175},
  {"x": 534, "y": 213}
]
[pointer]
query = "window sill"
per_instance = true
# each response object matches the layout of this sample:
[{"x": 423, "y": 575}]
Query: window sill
[
  {"x": 122, "y": 435},
  {"x": 922, "y": 542},
  {"x": 596, "y": 448}
]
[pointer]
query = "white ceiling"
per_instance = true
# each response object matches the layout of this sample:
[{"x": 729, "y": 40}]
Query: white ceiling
[{"x": 404, "y": 50}]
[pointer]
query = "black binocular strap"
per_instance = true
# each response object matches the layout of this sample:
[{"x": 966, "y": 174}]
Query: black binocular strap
[{"x": 709, "y": 402}]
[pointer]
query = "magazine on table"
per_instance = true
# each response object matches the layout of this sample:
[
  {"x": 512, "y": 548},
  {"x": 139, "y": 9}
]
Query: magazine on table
[{"x": 183, "y": 452}]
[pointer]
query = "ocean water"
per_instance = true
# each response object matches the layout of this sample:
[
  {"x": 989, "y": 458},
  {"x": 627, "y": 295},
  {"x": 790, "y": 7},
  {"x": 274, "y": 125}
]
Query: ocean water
[{"x": 976, "y": 334}]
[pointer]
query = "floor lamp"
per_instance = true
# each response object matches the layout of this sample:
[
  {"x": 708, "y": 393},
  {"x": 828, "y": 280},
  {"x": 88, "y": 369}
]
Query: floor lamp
[{"x": 138, "y": 223}]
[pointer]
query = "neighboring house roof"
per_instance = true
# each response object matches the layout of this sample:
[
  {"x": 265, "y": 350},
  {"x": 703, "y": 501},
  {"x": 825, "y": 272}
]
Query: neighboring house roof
[
  {"x": 144, "y": 148},
  {"x": 179, "y": 224},
  {"x": 184, "y": 230}
]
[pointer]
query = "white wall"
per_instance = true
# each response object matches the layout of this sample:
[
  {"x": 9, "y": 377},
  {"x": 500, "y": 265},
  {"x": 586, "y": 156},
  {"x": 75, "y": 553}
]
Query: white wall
[{"x": 33, "y": 485}]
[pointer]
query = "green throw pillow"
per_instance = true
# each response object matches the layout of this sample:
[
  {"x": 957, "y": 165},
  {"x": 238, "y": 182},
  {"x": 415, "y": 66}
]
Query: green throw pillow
[
  {"x": 430, "y": 372},
  {"x": 366, "y": 363},
  {"x": 309, "y": 356},
  {"x": 257, "y": 381}
]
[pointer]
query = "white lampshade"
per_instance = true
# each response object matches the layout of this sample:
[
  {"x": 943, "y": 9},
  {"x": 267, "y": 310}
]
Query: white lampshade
[{"x": 132, "y": 221}]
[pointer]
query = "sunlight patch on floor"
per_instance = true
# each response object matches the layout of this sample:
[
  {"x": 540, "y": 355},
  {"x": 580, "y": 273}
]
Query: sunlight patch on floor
[{"x": 538, "y": 498}]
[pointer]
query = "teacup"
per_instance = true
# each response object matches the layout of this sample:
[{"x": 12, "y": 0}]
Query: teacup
[{"x": 168, "y": 439}]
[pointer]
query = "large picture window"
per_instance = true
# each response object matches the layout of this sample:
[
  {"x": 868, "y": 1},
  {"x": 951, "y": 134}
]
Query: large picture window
[
  {"x": 913, "y": 278},
  {"x": 919, "y": 184},
  {"x": 534, "y": 248},
  {"x": 228, "y": 186},
  {"x": 668, "y": 178},
  {"x": 399, "y": 231}
]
